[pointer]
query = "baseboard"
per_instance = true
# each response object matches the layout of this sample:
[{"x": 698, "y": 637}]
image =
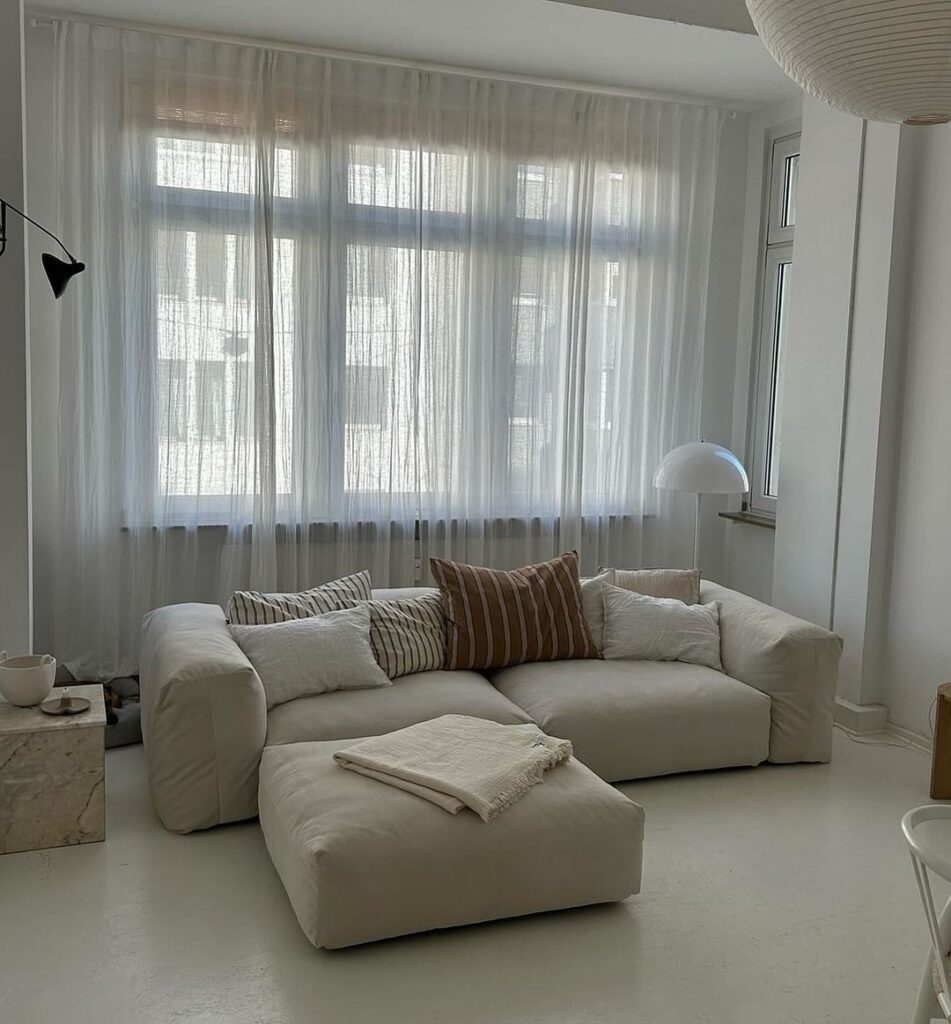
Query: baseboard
[
  {"x": 861, "y": 718},
  {"x": 918, "y": 740}
]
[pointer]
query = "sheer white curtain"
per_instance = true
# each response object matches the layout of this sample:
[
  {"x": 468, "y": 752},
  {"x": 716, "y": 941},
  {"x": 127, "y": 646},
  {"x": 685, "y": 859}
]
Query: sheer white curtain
[{"x": 342, "y": 314}]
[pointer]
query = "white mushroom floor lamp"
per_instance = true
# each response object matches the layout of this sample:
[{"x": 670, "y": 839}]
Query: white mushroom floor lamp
[{"x": 701, "y": 467}]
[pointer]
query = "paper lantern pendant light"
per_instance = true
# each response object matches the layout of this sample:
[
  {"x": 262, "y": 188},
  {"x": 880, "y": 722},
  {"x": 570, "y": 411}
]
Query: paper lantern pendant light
[{"x": 884, "y": 60}]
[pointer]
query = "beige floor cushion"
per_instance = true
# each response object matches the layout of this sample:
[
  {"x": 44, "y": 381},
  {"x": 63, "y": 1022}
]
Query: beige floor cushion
[
  {"x": 362, "y": 861},
  {"x": 634, "y": 719},
  {"x": 414, "y": 698}
]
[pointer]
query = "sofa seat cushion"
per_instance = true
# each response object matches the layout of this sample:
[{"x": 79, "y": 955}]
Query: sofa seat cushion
[
  {"x": 346, "y": 714},
  {"x": 635, "y": 719},
  {"x": 361, "y": 860}
]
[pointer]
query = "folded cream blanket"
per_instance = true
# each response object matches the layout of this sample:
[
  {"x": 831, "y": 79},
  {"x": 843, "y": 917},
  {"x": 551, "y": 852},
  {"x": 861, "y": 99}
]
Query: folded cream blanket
[{"x": 456, "y": 761}]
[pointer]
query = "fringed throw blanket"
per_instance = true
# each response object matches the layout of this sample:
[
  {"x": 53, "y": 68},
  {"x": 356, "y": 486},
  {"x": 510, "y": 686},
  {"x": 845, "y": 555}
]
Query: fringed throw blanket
[{"x": 457, "y": 762}]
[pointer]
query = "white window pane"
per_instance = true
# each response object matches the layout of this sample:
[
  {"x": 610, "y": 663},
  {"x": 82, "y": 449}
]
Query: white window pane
[
  {"x": 172, "y": 399},
  {"x": 203, "y": 164},
  {"x": 285, "y": 173},
  {"x": 171, "y": 264},
  {"x": 781, "y": 318},
  {"x": 393, "y": 177},
  {"x": 211, "y": 266},
  {"x": 539, "y": 191},
  {"x": 790, "y": 187},
  {"x": 210, "y": 400}
]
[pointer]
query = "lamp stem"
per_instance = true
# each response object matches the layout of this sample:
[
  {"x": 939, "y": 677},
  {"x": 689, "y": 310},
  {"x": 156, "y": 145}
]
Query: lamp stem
[
  {"x": 4, "y": 205},
  {"x": 696, "y": 536}
]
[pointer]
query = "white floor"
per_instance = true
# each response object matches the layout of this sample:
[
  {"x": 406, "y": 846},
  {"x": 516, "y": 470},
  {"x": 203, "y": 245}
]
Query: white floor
[{"x": 774, "y": 895}]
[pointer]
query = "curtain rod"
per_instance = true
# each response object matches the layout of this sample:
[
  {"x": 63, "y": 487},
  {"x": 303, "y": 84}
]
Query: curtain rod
[{"x": 43, "y": 17}]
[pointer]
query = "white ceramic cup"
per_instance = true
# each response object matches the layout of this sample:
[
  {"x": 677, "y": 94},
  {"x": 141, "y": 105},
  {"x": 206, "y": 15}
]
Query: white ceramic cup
[{"x": 28, "y": 679}]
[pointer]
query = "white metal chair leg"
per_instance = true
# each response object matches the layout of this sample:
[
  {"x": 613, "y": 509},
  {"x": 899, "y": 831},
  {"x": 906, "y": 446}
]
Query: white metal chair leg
[{"x": 927, "y": 1008}]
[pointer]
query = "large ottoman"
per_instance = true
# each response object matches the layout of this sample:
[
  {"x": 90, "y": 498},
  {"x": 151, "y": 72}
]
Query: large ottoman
[{"x": 362, "y": 860}]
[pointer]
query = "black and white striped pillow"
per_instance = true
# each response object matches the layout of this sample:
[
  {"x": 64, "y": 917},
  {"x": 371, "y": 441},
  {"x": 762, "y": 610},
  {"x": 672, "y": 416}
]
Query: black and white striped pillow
[
  {"x": 408, "y": 634},
  {"x": 252, "y": 608}
]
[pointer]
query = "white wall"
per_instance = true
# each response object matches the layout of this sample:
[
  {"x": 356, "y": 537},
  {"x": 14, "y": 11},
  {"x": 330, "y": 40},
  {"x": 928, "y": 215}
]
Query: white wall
[
  {"x": 832, "y": 552},
  {"x": 916, "y": 650},
  {"x": 44, "y": 344},
  {"x": 719, "y": 357},
  {"x": 867, "y": 470},
  {"x": 862, "y": 537},
  {"x": 816, "y": 361},
  {"x": 15, "y": 544}
]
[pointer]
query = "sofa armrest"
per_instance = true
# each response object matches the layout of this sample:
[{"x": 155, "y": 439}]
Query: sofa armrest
[
  {"x": 204, "y": 718},
  {"x": 793, "y": 661}
]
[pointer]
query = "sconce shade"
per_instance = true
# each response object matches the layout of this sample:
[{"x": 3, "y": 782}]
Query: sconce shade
[
  {"x": 60, "y": 273},
  {"x": 884, "y": 60},
  {"x": 701, "y": 467}
]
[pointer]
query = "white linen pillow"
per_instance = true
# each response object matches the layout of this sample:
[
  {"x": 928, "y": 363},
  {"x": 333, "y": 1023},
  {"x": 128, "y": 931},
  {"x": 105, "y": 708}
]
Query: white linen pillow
[
  {"x": 592, "y": 604},
  {"x": 660, "y": 628},
  {"x": 315, "y": 655}
]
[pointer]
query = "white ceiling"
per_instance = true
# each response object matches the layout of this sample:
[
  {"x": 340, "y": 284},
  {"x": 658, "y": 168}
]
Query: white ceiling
[
  {"x": 533, "y": 37},
  {"x": 731, "y": 15}
]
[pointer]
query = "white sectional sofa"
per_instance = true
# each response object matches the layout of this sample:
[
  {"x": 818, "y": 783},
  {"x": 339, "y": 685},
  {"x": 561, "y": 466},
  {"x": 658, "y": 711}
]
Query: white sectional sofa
[{"x": 205, "y": 723}]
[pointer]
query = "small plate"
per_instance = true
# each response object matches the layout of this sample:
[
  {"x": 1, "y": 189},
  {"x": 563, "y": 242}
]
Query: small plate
[{"x": 74, "y": 706}]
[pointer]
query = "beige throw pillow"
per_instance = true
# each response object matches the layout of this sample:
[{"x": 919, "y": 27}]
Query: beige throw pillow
[{"x": 681, "y": 584}]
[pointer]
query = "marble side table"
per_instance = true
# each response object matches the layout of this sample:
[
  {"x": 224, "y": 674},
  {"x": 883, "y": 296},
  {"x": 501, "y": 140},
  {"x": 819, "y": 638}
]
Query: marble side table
[{"x": 52, "y": 775}]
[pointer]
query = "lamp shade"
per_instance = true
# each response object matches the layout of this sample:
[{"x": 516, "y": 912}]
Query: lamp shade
[
  {"x": 60, "y": 273},
  {"x": 701, "y": 467},
  {"x": 884, "y": 60}
]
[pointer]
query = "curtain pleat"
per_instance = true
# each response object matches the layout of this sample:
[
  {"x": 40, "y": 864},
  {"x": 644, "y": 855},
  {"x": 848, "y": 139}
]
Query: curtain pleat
[{"x": 344, "y": 315}]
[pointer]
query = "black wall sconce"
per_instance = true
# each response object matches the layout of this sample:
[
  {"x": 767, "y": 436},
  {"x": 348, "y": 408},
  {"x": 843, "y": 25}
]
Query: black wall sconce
[{"x": 59, "y": 272}]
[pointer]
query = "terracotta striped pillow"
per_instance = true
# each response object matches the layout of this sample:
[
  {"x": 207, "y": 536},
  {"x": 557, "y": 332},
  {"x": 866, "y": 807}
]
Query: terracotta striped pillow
[
  {"x": 498, "y": 618},
  {"x": 252, "y": 608}
]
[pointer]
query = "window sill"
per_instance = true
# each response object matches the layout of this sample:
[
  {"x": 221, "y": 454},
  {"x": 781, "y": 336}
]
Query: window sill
[{"x": 750, "y": 518}]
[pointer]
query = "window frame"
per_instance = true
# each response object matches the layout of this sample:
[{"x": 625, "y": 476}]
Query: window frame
[{"x": 776, "y": 249}]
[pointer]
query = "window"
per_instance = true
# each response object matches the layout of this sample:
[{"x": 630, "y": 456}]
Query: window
[
  {"x": 782, "y": 176},
  {"x": 391, "y": 315}
]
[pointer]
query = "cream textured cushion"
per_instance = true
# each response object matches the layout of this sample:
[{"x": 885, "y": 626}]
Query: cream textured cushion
[
  {"x": 314, "y": 655},
  {"x": 362, "y": 861},
  {"x": 252, "y": 608},
  {"x": 592, "y": 604},
  {"x": 635, "y": 719},
  {"x": 682, "y": 584},
  {"x": 660, "y": 629},
  {"x": 411, "y": 699}
]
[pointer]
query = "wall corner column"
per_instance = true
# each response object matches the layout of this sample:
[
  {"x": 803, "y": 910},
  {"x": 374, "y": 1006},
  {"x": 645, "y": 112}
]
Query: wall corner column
[{"x": 16, "y": 571}]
